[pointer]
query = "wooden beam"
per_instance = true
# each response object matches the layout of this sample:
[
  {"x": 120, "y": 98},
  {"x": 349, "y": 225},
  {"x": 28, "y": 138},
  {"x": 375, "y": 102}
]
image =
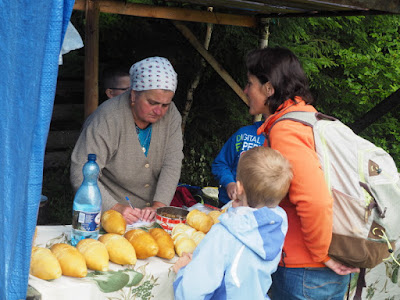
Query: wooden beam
[
  {"x": 170, "y": 13},
  {"x": 211, "y": 60},
  {"x": 392, "y": 6},
  {"x": 262, "y": 6},
  {"x": 91, "y": 95},
  {"x": 301, "y": 6},
  {"x": 326, "y": 14},
  {"x": 249, "y": 7}
]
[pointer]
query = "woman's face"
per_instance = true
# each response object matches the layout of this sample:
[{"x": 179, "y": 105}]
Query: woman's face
[
  {"x": 257, "y": 94},
  {"x": 150, "y": 106}
]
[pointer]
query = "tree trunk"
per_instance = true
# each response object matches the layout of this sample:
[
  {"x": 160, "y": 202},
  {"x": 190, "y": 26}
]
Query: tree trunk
[
  {"x": 196, "y": 79},
  {"x": 263, "y": 42}
]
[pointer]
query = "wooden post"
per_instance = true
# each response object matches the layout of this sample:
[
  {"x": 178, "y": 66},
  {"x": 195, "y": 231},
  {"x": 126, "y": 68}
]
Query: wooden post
[{"x": 91, "y": 98}]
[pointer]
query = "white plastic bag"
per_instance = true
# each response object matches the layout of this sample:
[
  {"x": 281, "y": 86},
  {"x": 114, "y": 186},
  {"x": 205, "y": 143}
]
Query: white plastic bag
[{"x": 72, "y": 41}]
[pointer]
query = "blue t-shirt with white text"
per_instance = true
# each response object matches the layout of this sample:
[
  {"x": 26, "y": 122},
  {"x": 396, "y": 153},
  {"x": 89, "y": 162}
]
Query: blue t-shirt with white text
[{"x": 225, "y": 164}]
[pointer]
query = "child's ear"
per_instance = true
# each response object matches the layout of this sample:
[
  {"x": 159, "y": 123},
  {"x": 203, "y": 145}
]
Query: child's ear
[{"x": 239, "y": 188}]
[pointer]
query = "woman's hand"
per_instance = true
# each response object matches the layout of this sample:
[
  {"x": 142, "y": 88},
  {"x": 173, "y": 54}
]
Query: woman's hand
[
  {"x": 339, "y": 268},
  {"x": 149, "y": 213},
  {"x": 231, "y": 190},
  {"x": 131, "y": 215}
]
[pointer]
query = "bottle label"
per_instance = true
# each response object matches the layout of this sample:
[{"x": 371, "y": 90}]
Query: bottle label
[{"x": 86, "y": 221}]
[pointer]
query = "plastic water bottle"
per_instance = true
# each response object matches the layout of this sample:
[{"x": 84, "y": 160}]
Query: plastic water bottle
[{"x": 87, "y": 204}]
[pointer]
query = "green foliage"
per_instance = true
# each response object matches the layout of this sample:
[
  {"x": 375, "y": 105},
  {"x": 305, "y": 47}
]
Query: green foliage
[
  {"x": 352, "y": 64},
  {"x": 196, "y": 168}
]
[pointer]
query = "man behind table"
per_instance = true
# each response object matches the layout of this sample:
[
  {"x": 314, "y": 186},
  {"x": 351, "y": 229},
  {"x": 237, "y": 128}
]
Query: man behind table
[
  {"x": 115, "y": 82},
  {"x": 138, "y": 142}
]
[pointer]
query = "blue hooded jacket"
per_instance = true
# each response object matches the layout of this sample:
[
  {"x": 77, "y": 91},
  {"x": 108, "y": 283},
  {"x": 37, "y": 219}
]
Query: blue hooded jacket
[
  {"x": 236, "y": 258},
  {"x": 225, "y": 164}
]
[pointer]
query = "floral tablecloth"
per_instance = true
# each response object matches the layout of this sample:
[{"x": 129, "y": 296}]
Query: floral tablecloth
[{"x": 151, "y": 278}]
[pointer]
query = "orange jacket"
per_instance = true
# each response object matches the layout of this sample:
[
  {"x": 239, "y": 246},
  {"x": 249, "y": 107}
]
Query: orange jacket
[{"x": 308, "y": 204}]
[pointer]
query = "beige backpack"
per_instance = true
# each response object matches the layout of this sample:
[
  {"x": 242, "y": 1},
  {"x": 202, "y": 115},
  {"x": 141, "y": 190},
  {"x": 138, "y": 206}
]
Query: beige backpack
[{"x": 365, "y": 185}]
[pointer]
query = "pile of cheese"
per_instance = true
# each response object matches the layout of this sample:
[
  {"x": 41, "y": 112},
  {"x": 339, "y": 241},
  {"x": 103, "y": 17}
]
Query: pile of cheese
[
  {"x": 187, "y": 236},
  {"x": 120, "y": 247},
  {"x": 115, "y": 246}
]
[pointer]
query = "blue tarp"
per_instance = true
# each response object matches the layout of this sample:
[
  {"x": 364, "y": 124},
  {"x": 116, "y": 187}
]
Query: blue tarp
[{"x": 31, "y": 35}]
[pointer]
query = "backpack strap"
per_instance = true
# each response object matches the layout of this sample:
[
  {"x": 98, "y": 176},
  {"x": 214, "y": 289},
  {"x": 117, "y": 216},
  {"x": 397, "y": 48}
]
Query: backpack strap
[
  {"x": 360, "y": 284},
  {"x": 305, "y": 117}
]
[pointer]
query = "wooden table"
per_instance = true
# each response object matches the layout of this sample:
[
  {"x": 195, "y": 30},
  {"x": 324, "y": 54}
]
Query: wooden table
[{"x": 156, "y": 283}]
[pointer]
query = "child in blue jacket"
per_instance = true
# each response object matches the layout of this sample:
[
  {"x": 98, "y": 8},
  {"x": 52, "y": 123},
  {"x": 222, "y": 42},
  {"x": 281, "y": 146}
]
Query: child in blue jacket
[
  {"x": 236, "y": 258},
  {"x": 225, "y": 164}
]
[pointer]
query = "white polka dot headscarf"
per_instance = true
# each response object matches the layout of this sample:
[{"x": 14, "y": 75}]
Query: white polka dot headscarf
[{"x": 153, "y": 73}]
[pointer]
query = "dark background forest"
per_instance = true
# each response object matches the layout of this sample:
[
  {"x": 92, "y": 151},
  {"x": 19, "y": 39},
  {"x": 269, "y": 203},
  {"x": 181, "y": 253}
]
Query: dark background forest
[{"x": 352, "y": 64}]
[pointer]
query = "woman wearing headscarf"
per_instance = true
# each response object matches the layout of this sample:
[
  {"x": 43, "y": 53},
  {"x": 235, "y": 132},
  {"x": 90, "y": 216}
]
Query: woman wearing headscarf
[
  {"x": 277, "y": 85},
  {"x": 138, "y": 142}
]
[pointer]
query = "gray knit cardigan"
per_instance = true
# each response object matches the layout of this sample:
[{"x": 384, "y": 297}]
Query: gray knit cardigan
[{"x": 125, "y": 171}]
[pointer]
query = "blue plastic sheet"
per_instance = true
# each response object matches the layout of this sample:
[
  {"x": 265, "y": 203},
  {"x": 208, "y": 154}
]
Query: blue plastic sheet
[{"x": 31, "y": 35}]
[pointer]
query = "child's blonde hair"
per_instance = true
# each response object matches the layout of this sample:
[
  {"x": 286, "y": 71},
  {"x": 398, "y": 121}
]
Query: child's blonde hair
[{"x": 265, "y": 175}]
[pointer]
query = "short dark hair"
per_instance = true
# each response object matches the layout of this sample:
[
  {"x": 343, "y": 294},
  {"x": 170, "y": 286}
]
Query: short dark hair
[
  {"x": 283, "y": 70},
  {"x": 111, "y": 76}
]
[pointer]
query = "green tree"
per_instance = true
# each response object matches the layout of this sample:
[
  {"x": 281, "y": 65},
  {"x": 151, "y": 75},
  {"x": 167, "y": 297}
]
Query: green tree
[{"x": 352, "y": 63}]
